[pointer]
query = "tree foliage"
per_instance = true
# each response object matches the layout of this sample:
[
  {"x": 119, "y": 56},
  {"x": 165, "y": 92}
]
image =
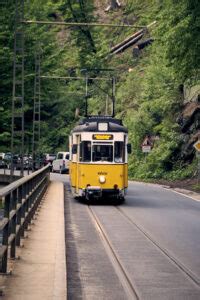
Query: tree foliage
[
  {"x": 148, "y": 96},
  {"x": 153, "y": 96}
]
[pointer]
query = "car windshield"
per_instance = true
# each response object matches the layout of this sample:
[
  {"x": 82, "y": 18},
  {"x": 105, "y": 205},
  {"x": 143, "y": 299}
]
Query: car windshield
[
  {"x": 60, "y": 156},
  {"x": 102, "y": 153}
]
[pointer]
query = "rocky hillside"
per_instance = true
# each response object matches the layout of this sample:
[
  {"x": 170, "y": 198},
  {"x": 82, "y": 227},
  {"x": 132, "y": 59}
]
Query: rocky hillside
[{"x": 158, "y": 85}]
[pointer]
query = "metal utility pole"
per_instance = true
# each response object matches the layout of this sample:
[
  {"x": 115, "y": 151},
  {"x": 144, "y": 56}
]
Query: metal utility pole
[
  {"x": 113, "y": 96},
  {"x": 36, "y": 111},
  {"x": 86, "y": 95},
  {"x": 17, "y": 137},
  {"x": 106, "y": 112}
]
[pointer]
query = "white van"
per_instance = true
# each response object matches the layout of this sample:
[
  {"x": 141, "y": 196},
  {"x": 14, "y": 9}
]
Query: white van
[{"x": 61, "y": 163}]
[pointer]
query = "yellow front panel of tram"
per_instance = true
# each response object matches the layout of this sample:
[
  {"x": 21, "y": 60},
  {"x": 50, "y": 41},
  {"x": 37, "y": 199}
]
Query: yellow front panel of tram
[{"x": 83, "y": 174}]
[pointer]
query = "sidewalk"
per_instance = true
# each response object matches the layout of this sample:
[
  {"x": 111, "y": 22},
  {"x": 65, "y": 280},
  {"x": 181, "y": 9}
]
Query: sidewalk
[{"x": 40, "y": 273}]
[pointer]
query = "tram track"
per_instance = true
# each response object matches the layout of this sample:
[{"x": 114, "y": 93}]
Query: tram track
[
  {"x": 174, "y": 260},
  {"x": 121, "y": 272},
  {"x": 132, "y": 263}
]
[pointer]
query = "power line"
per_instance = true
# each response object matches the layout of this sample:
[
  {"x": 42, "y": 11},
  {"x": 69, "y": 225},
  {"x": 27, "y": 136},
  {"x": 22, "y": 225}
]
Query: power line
[
  {"x": 80, "y": 24},
  {"x": 74, "y": 78}
]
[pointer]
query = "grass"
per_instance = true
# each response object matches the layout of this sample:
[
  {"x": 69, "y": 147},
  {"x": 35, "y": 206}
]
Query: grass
[{"x": 196, "y": 187}]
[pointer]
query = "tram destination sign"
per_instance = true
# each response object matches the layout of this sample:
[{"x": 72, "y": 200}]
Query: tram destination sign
[{"x": 105, "y": 137}]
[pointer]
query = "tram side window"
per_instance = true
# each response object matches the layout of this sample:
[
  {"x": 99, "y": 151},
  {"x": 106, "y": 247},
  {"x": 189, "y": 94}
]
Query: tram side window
[
  {"x": 102, "y": 153},
  {"x": 85, "y": 151},
  {"x": 119, "y": 152}
]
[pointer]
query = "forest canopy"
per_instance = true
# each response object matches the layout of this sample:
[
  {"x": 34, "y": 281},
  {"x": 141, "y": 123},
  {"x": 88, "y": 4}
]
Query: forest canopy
[{"x": 151, "y": 83}]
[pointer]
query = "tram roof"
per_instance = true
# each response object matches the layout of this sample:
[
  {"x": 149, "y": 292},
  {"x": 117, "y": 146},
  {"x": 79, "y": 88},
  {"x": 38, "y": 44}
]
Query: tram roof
[{"x": 91, "y": 124}]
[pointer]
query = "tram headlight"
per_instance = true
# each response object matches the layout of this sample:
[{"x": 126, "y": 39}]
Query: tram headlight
[{"x": 102, "y": 179}]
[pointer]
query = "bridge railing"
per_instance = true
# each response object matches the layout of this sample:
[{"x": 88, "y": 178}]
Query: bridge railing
[{"x": 18, "y": 203}]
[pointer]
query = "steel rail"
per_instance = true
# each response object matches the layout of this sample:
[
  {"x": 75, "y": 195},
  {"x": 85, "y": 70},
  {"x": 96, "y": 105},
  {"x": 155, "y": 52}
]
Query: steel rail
[
  {"x": 183, "y": 268},
  {"x": 91, "y": 24},
  {"x": 120, "y": 270},
  {"x": 19, "y": 202}
]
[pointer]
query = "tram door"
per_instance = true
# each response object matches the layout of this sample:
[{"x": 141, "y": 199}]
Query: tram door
[{"x": 78, "y": 139}]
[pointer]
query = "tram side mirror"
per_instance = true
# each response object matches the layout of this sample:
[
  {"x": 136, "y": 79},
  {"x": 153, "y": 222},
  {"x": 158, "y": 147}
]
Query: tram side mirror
[
  {"x": 74, "y": 149},
  {"x": 129, "y": 148}
]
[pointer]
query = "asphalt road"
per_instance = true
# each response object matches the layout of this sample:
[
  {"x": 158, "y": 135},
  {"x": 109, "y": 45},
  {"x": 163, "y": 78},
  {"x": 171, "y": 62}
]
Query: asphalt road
[
  {"x": 172, "y": 219},
  {"x": 154, "y": 237}
]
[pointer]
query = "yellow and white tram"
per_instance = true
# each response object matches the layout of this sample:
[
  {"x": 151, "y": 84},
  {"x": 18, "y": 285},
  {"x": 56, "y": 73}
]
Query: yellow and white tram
[{"x": 98, "y": 158}]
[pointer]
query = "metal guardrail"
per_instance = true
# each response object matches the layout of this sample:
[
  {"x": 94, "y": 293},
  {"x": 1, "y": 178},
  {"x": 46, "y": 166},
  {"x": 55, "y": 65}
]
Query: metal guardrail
[{"x": 19, "y": 201}]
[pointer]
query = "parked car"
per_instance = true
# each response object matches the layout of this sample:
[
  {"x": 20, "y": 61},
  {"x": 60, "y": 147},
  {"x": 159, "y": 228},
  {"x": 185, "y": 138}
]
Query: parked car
[
  {"x": 27, "y": 161},
  {"x": 2, "y": 161},
  {"x": 2, "y": 155},
  {"x": 49, "y": 158},
  {"x": 16, "y": 161},
  {"x": 7, "y": 159},
  {"x": 38, "y": 161},
  {"x": 61, "y": 163}
]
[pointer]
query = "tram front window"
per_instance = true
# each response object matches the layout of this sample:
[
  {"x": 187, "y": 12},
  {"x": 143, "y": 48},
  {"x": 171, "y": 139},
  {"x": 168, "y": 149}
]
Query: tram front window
[
  {"x": 85, "y": 151},
  {"x": 102, "y": 153}
]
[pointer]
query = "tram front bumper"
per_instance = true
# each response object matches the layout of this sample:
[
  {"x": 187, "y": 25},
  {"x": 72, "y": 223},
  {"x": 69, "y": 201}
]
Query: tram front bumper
[
  {"x": 93, "y": 192},
  {"x": 97, "y": 192}
]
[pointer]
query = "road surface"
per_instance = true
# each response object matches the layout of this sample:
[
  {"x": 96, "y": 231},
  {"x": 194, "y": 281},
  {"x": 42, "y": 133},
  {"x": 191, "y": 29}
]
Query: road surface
[{"x": 146, "y": 248}]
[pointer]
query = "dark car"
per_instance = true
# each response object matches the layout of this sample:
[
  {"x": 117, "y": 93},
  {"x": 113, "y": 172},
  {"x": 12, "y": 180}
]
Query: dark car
[
  {"x": 27, "y": 161},
  {"x": 38, "y": 161},
  {"x": 2, "y": 161},
  {"x": 49, "y": 158},
  {"x": 7, "y": 159},
  {"x": 16, "y": 161}
]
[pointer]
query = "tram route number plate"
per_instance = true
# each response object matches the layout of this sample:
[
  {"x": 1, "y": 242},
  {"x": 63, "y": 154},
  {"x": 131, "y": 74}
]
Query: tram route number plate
[{"x": 106, "y": 137}]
